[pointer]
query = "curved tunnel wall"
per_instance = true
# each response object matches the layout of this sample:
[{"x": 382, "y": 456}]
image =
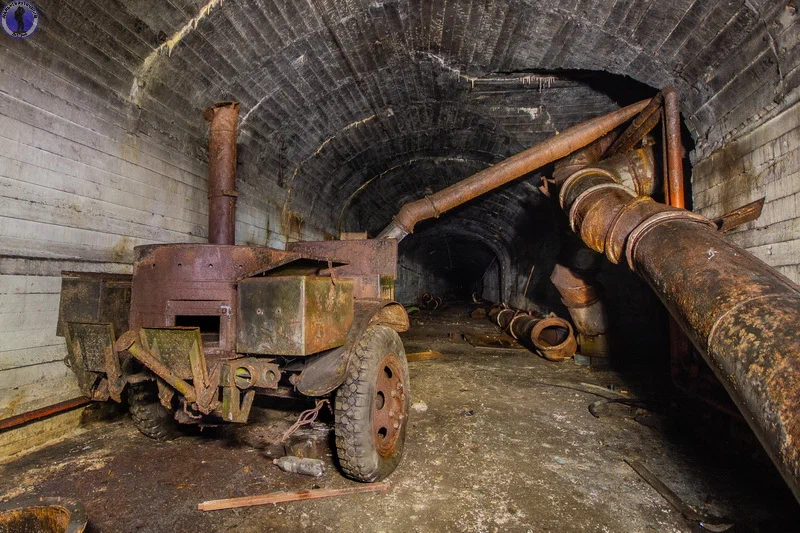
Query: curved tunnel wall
[{"x": 103, "y": 144}]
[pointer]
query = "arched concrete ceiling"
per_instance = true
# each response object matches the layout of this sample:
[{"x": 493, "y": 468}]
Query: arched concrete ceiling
[{"x": 350, "y": 107}]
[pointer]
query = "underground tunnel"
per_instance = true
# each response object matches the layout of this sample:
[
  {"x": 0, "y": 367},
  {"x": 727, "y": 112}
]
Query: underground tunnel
[{"x": 439, "y": 265}]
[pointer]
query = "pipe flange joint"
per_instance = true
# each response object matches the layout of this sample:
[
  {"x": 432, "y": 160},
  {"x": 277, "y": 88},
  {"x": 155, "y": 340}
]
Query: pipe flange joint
[
  {"x": 566, "y": 196},
  {"x": 572, "y": 216},
  {"x": 653, "y": 221},
  {"x": 498, "y": 319},
  {"x": 510, "y": 328},
  {"x": 629, "y": 217}
]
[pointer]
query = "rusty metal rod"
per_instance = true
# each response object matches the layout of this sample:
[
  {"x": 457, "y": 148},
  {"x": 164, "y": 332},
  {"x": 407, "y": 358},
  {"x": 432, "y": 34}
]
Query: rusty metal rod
[
  {"x": 674, "y": 163},
  {"x": 507, "y": 170},
  {"x": 739, "y": 216},
  {"x": 641, "y": 126},
  {"x": 130, "y": 341},
  {"x": 222, "y": 172},
  {"x": 44, "y": 412},
  {"x": 741, "y": 314}
]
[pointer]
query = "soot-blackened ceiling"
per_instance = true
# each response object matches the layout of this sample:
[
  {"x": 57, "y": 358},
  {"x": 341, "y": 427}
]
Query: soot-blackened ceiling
[{"x": 351, "y": 107}]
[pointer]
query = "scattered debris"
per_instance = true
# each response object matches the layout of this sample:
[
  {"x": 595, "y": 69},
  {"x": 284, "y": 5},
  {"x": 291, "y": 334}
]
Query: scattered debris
[
  {"x": 468, "y": 412},
  {"x": 454, "y": 336},
  {"x": 673, "y": 499},
  {"x": 309, "y": 441},
  {"x": 411, "y": 309},
  {"x": 595, "y": 407},
  {"x": 419, "y": 407},
  {"x": 559, "y": 460},
  {"x": 423, "y": 356},
  {"x": 292, "y": 496},
  {"x": 479, "y": 340},
  {"x": 300, "y": 465}
]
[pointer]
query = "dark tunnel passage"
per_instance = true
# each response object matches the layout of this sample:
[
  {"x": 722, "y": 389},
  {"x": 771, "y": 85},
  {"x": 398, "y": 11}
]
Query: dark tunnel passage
[{"x": 500, "y": 247}]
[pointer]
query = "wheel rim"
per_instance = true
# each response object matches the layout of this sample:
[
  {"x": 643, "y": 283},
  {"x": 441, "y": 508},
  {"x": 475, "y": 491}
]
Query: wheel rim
[{"x": 388, "y": 405}]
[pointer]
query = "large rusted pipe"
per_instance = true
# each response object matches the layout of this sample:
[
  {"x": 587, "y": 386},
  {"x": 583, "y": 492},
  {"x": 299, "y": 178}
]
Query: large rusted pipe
[
  {"x": 741, "y": 314},
  {"x": 554, "y": 339},
  {"x": 222, "y": 172},
  {"x": 507, "y": 170},
  {"x": 582, "y": 295}
]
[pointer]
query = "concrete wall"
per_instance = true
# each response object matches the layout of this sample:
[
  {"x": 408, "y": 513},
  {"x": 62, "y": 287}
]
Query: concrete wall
[{"x": 762, "y": 163}]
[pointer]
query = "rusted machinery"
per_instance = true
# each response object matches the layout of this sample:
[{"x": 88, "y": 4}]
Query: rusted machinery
[
  {"x": 739, "y": 313},
  {"x": 199, "y": 329}
]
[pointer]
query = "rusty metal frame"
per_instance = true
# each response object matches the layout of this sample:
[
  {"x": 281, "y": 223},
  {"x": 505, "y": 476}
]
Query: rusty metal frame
[
  {"x": 143, "y": 345},
  {"x": 80, "y": 338}
]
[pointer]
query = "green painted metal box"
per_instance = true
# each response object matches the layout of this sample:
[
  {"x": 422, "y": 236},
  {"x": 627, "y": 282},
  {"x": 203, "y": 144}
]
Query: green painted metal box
[{"x": 293, "y": 315}]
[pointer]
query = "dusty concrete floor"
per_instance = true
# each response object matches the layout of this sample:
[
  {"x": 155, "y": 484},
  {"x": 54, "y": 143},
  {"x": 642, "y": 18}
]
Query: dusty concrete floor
[{"x": 500, "y": 448}]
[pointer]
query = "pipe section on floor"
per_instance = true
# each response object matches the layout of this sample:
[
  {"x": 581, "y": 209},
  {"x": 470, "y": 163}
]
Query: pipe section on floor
[
  {"x": 551, "y": 337},
  {"x": 44, "y": 412}
]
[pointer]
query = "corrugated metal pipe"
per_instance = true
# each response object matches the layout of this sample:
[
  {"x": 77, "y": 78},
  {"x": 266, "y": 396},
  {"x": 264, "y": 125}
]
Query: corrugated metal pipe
[
  {"x": 741, "y": 314},
  {"x": 551, "y": 337},
  {"x": 222, "y": 172}
]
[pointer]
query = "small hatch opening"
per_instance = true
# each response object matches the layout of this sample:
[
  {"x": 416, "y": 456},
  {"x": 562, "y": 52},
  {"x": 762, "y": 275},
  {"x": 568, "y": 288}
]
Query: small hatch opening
[{"x": 209, "y": 326}]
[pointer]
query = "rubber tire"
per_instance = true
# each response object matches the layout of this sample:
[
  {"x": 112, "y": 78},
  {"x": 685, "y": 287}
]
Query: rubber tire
[
  {"x": 356, "y": 451},
  {"x": 151, "y": 418}
]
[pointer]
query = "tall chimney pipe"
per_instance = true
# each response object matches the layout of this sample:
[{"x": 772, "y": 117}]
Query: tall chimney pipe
[{"x": 222, "y": 172}]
